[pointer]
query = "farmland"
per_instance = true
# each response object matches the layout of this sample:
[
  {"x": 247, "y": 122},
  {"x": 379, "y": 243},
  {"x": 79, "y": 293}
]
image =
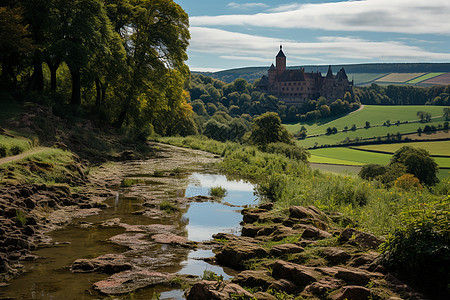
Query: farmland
[
  {"x": 399, "y": 77},
  {"x": 435, "y": 148},
  {"x": 423, "y": 78},
  {"x": 442, "y": 79}
]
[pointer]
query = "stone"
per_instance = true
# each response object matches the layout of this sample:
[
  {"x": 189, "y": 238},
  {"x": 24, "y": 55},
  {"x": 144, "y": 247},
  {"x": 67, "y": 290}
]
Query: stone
[
  {"x": 335, "y": 255},
  {"x": 216, "y": 290},
  {"x": 298, "y": 274},
  {"x": 363, "y": 239},
  {"x": 284, "y": 285},
  {"x": 301, "y": 212},
  {"x": 283, "y": 249},
  {"x": 108, "y": 263},
  {"x": 266, "y": 206},
  {"x": 172, "y": 239},
  {"x": 323, "y": 286},
  {"x": 315, "y": 233},
  {"x": 234, "y": 253},
  {"x": 128, "y": 281},
  {"x": 352, "y": 292},
  {"x": 263, "y": 296},
  {"x": 254, "y": 278},
  {"x": 357, "y": 277},
  {"x": 250, "y": 230},
  {"x": 364, "y": 259},
  {"x": 266, "y": 230}
]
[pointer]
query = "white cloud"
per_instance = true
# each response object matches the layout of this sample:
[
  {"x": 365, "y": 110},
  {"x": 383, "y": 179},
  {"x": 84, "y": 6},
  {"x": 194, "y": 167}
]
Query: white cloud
[
  {"x": 233, "y": 45},
  {"x": 200, "y": 69},
  {"x": 401, "y": 16},
  {"x": 235, "y": 5}
]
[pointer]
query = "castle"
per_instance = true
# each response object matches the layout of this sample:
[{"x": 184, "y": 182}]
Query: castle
[{"x": 295, "y": 87}]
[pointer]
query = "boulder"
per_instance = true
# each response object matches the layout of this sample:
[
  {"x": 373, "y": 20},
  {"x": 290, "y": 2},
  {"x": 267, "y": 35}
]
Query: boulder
[
  {"x": 335, "y": 255},
  {"x": 362, "y": 239},
  {"x": 283, "y": 249},
  {"x": 284, "y": 285},
  {"x": 354, "y": 276},
  {"x": 234, "y": 253},
  {"x": 323, "y": 286},
  {"x": 254, "y": 278},
  {"x": 312, "y": 232},
  {"x": 172, "y": 239},
  {"x": 128, "y": 281},
  {"x": 108, "y": 263},
  {"x": 352, "y": 292},
  {"x": 216, "y": 290},
  {"x": 298, "y": 274}
]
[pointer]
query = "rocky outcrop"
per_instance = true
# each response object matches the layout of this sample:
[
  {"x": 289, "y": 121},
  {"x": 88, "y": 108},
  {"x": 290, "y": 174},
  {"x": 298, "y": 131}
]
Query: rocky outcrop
[
  {"x": 217, "y": 291},
  {"x": 108, "y": 263},
  {"x": 234, "y": 254}
]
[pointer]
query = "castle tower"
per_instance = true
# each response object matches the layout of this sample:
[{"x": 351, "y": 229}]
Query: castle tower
[{"x": 281, "y": 61}]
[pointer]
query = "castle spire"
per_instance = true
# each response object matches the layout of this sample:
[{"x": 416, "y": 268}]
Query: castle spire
[
  {"x": 329, "y": 73},
  {"x": 280, "y": 53}
]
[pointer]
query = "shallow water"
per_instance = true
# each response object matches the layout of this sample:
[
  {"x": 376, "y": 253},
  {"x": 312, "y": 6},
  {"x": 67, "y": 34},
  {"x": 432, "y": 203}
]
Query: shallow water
[{"x": 50, "y": 278}]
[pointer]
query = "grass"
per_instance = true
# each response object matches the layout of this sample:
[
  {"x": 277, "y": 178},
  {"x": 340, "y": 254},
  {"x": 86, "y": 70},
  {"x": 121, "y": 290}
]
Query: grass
[
  {"x": 129, "y": 182},
  {"x": 423, "y": 78},
  {"x": 12, "y": 144},
  {"x": 217, "y": 191},
  {"x": 375, "y": 114},
  {"x": 435, "y": 148},
  {"x": 168, "y": 207},
  {"x": 49, "y": 167}
]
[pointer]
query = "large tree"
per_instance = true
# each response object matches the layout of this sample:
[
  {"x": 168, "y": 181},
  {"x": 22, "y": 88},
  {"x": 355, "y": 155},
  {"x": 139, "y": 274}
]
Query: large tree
[
  {"x": 417, "y": 162},
  {"x": 267, "y": 129}
]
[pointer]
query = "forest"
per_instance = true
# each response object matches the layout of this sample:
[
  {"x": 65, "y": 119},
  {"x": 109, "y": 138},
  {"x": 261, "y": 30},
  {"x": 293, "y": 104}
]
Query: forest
[{"x": 122, "y": 61}]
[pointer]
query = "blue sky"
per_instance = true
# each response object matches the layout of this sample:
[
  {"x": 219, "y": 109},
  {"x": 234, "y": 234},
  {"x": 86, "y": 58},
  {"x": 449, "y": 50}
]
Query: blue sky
[{"x": 234, "y": 34}]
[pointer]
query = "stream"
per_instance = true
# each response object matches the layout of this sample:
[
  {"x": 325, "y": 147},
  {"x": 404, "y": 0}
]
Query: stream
[{"x": 49, "y": 277}]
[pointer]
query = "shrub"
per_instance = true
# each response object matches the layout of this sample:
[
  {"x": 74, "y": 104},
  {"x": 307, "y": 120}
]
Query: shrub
[
  {"x": 372, "y": 171},
  {"x": 211, "y": 276},
  {"x": 167, "y": 207},
  {"x": 272, "y": 188},
  {"x": 2, "y": 151},
  {"x": 290, "y": 151},
  {"x": 408, "y": 182},
  {"x": 21, "y": 217},
  {"x": 217, "y": 191},
  {"x": 418, "y": 249},
  {"x": 16, "y": 150}
]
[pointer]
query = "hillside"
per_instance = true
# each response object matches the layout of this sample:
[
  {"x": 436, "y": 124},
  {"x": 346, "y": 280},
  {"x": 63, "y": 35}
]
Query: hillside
[{"x": 363, "y": 74}]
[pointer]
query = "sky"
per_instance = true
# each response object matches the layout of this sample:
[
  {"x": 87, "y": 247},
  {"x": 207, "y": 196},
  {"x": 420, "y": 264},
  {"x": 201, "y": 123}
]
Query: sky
[{"x": 235, "y": 34}]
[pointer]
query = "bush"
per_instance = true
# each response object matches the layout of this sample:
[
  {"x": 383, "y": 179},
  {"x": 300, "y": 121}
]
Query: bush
[
  {"x": 16, "y": 150},
  {"x": 290, "y": 151},
  {"x": 2, "y": 151},
  {"x": 408, "y": 182},
  {"x": 372, "y": 171},
  {"x": 418, "y": 250},
  {"x": 217, "y": 191}
]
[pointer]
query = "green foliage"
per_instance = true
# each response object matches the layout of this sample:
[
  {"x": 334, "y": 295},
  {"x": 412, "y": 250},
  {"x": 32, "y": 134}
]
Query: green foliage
[
  {"x": 217, "y": 191},
  {"x": 418, "y": 162},
  {"x": 211, "y": 276},
  {"x": 168, "y": 207},
  {"x": 267, "y": 129},
  {"x": 21, "y": 217},
  {"x": 372, "y": 171},
  {"x": 290, "y": 151},
  {"x": 128, "y": 182},
  {"x": 2, "y": 151},
  {"x": 16, "y": 150},
  {"x": 418, "y": 250}
]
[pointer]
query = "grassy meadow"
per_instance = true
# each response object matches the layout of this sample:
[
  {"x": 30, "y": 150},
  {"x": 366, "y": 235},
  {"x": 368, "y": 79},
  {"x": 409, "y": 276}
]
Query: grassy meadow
[{"x": 435, "y": 148}]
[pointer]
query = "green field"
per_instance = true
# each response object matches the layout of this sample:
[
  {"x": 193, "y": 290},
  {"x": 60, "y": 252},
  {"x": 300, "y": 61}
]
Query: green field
[
  {"x": 424, "y": 77},
  {"x": 353, "y": 157},
  {"x": 399, "y": 77},
  {"x": 435, "y": 148},
  {"x": 361, "y": 78},
  {"x": 375, "y": 114}
]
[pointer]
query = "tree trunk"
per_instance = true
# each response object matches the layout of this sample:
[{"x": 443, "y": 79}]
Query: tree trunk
[
  {"x": 36, "y": 82},
  {"x": 119, "y": 122},
  {"x": 53, "y": 69},
  {"x": 76, "y": 87},
  {"x": 98, "y": 88}
]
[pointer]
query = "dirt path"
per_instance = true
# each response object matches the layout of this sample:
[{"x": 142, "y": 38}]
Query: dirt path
[{"x": 8, "y": 159}]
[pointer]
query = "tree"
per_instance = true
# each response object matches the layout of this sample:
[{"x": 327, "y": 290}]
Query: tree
[
  {"x": 446, "y": 113},
  {"x": 423, "y": 116},
  {"x": 267, "y": 129},
  {"x": 417, "y": 162},
  {"x": 367, "y": 125}
]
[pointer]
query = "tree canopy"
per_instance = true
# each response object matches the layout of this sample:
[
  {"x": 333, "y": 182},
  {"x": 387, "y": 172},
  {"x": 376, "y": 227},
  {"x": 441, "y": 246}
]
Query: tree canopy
[{"x": 267, "y": 129}]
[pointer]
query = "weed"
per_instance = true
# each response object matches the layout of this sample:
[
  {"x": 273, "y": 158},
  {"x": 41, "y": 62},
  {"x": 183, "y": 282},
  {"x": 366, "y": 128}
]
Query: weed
[
  {"x": 21, "y": 217},
  {"x": 217, "y": 191},
  {"x": 211, "y": 276},
  {"x": 168, "y": 207},
  {"x": 128, "y": 182}
]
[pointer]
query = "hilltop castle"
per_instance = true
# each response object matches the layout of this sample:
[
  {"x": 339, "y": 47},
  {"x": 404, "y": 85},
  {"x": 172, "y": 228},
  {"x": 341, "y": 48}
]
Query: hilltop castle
[{"x": 295, "y": 87}]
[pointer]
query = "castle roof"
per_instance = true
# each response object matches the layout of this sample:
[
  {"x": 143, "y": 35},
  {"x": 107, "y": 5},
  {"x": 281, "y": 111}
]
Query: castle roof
[
  {"x": 329, "y": 73},
  {"x": 272, "y": 67},
  {"x": 280, "y": 53},
  {"x": 341, "y": 75},
  {"x": 292, "y": 75}
]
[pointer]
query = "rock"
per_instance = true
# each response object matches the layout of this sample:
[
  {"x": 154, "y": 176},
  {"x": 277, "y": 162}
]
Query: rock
[
  {"x": 128, "y": 281},
  {"x": 355, "y": 276},
  {"x": 353, "y": 293},
  {"x": 254, "y": 278},
  {"x": 234, "y": 253},
  {"x": 216, "y": 290},
  {"x": 301, "y": 212},
  {"x": 132, "y": 240},
  {"x": 263, "y": 296},
  {"x": 312, "y": 232},
  {"x": 108, "y": 263},
  {"x": 283, "y": 249},
  {"x": 323, "y": 286},
  {"x": 266, "y": 230},
  {"x": 249, "y": 218},
  {"x": 364, "y": 259},
  {"x": 284, "y": 285},
  {"x": 298, "y": 274},
  {"x": 172, "y": 239},
  {"x": 251, "y": 230},
  {"x": 335, "y": 255},
  {"x": 266, "y": 206},
  {"x": 363, "y": 239}
]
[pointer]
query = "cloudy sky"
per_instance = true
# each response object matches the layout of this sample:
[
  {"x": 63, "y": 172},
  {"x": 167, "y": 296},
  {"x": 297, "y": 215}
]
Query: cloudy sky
[{"x": 233, "y": 34}]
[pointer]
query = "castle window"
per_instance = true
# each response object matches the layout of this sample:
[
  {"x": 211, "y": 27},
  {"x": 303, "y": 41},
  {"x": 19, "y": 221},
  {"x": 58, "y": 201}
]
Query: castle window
[{"x": 289, "y": 84}]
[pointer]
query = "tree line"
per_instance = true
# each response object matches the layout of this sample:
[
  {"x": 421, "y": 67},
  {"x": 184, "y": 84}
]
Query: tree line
[{"x": 123, "y": 59}]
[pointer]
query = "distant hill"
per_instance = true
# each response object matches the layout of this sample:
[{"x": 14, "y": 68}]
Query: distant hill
[{"x": 378, "y": 69}]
